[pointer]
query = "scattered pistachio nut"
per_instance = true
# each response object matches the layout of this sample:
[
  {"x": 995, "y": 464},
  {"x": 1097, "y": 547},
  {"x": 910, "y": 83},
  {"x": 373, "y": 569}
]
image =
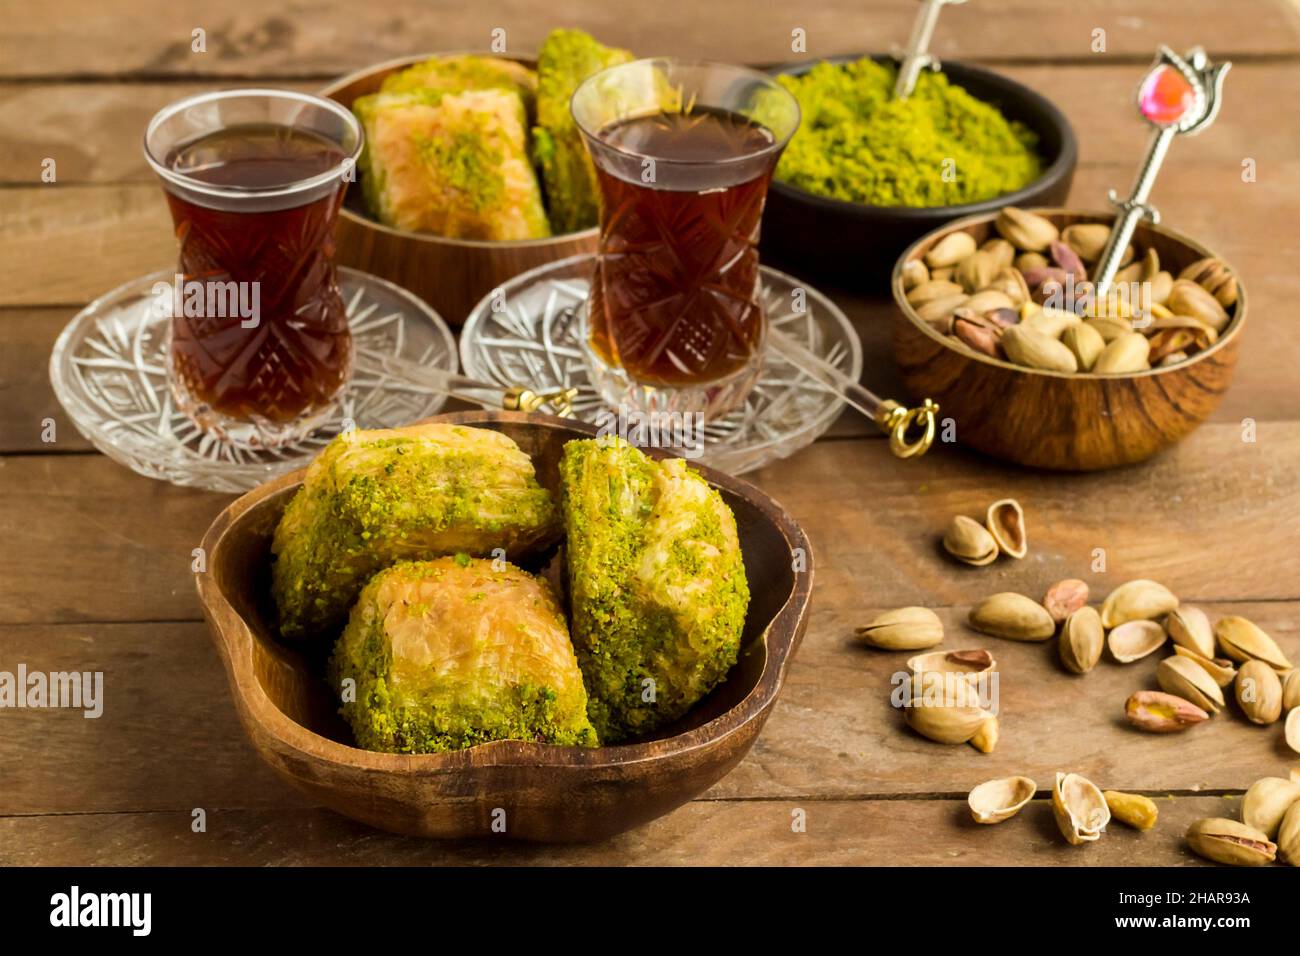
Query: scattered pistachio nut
[
  {"x": 1079, "y": 808},
  {"x": 1230, "y": 842},
  {"x": 1005, "y": 520},
  {"x": 1065, "y": 597},
  {"x": 1137, "y": 600},
  {"x": 1134, "y": 640},
  {"x": 970, "y": 542},
  {"x": 974, "y": 661},
  {"x": 1259, "y": 693},
  {"x": 1288, "y": 836},
  {"x": 1025, "y": 230},
  {"x": 1189, "y": 627},
  {"x": 996, "y": 800},
  {"x": 1243, "y": 640},
  {"x": 1134, "y": 809},
  {"x": 953, "y": 725},
  {"x": 950, "y": 250},
  {"x": 1183, "y": 677},
  {"x": 1266, "y": 802},
  {"x": 904, "y": 629},
  {"x": 1218, "y": 668},
  {"x": 1160, "y": 713},
  {"x": 1012, "y": 616},
  {"x": 1081, "y": 640}
]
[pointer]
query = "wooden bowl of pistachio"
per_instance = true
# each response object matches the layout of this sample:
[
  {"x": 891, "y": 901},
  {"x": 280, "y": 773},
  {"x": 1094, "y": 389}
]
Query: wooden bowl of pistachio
[{"x": 998, "y": 322}]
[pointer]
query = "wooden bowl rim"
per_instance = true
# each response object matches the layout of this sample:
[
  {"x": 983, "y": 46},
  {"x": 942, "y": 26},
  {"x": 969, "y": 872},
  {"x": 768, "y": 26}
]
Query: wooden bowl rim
[
  {"x": 1233, "y": 330},
  {"x": 428, "y": 237},
  {"x": 1064, "y": 162},
  {"x": 235, "y": 646}
]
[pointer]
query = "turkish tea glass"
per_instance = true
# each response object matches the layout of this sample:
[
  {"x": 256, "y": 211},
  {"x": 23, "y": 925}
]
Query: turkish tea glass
[
  {"x": 259, "y": 340},
  {"x": 683, "y": 153}
]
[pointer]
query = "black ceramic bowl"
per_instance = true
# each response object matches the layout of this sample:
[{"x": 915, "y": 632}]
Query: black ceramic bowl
[{"x": 855, "y": 246}]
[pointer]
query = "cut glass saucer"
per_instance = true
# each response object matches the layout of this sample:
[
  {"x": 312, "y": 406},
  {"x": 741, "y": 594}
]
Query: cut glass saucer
[
  {"x": 108, "y": 369},
  {"x": 527, "y": 333}
]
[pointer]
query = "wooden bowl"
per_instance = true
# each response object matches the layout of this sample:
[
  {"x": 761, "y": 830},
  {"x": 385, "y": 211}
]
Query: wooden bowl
[
  {"x": 452, "y": 275},
  {"x": 1074, "y": 422},
  {"x": 852, "y": 244},
  {"x": 548, "y": 793}
]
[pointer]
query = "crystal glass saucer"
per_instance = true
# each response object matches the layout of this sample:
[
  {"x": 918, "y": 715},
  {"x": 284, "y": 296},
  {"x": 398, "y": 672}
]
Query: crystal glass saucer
[
  {"x": 108, "y": 369},
  {"x": 527, "y": 333}
]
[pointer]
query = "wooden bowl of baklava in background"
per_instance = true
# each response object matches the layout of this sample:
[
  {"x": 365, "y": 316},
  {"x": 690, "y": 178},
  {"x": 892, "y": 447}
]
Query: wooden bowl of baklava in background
[
  {"x": 513, "y": 788},
  {"x": 452, "y": 275}
]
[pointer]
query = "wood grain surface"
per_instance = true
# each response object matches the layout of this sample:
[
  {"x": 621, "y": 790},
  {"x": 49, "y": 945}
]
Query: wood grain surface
[{"x": 95, "y": 572}]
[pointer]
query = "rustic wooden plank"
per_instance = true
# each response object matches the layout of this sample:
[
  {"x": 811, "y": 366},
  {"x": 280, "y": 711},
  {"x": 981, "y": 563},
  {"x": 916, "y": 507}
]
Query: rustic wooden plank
[
  {"x": 92, "y": 131},
  {"x": 1214, "y": 518},
  {"x": 246, "y": 38},
  {"x": 704, "y": 833}
]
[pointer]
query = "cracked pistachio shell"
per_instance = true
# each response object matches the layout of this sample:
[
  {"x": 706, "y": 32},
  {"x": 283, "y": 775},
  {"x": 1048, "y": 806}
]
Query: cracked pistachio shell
[
  {"x": 1259, "y": 693},
  {"x": 1134, "y": 640},
  {"x": 1188, "y": 298},
  {"x": 996, "y": 800},
  {"x": 1183, "y": 677},
  {"x": 1139, "y": 600},
  {"x": 973, "y": 661},
  {"x": 969, "y": 541},
  {"x": 1005, "y": 520},
  {"x": 1079, "y": 808},
  {"x": 1219, "y": 668},
  {"x": 1230, "y": 842},
  {"x": 1243, "y": 640},
  {"x": 950, "y": 725},
  {"x": 1190, "y": 627},
  {"x": 1012, "y": 616},
  {"x": 1291, "y": 691},
  {"x": 1081, "y": 640},
  {"x": 1288, "y": 837},
  {"x": 950, "y": 250},
  {"x": 1065, "y": 597},
  {"x": 1160, "y": 713},
  {"x": 1132, "y": 808},
  {"x": 1025, "y": 230},
  {"x": 904, "y": 629},
  {"x": 1266, "y": 802}
]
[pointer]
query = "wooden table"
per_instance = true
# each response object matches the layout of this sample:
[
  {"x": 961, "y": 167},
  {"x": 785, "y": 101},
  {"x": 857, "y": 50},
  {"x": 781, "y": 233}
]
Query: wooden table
[{"x": 95, "y": 566}]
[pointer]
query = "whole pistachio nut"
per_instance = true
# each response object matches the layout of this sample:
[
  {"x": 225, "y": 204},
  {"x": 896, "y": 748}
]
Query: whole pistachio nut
[
  {"x": 1028, "y": 261},
  {"x": 1088, "y": 239},
  {"x": 1160, "y": 713},
  {"x": 1134, "y": 640},
  {"x": 1230, "y": 842},
  {"x": 915, "y": 273},
  {"x": 1012, "y": 616},
  {"x": 930, "y": 290},
  {"x": 1080, "y": 808},
  {"x": 978, "y": 337},
  {"x": 1242, "y": 640},
  {"x": 1137, "y": 600},
  {"x": 1291, "y": 691},
  {"x": 1033, "y": 349},
  {"x": 1266, "y": 802},
  {"x": 1025, "y": 230},
  {"x": 1188, "y": 298},
  {"x": 1189, "y": 627},
  {"x": 950, "y": 250},
  {"x": 1081, "y": 640},
  {"x": 996, "y": 800},
  {"x": 1130, "y": 352},
  {"x": 1259, "y": 693},
  {"x": 1215, "y": 277},
  {"x": 1134, "y": 809},
  {"x": 1066, "y": 258},
  {"x": 1183, "y": 677},
  {"x": 1065, "y": 597},
  {"x": 1160, "y": 286},
  {"x": 946, "y": 725},
  {"x": 1219, "y": 668},
  {"x": 1085, "y": 342},
  {"x": 1005, "y": 520},
  {"x": 970, "y": 542},
  {"x": 1003, "y": 252},
  {"x": 1288, "y": 837},
  {"x": 904, "y": 629},
  {"x": 976, "y": 271},
  {"x": 938, "y": 313}
]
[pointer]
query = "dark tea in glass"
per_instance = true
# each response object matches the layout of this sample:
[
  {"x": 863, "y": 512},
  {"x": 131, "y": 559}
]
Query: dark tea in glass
[
  {"x": 683, "y": 154},
  {"x": 260, "y": 344}
]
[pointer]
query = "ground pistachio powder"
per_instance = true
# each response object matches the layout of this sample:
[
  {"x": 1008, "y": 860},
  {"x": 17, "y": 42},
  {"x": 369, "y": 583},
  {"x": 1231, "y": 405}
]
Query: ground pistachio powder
[{"x": 939, "y": 147}]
